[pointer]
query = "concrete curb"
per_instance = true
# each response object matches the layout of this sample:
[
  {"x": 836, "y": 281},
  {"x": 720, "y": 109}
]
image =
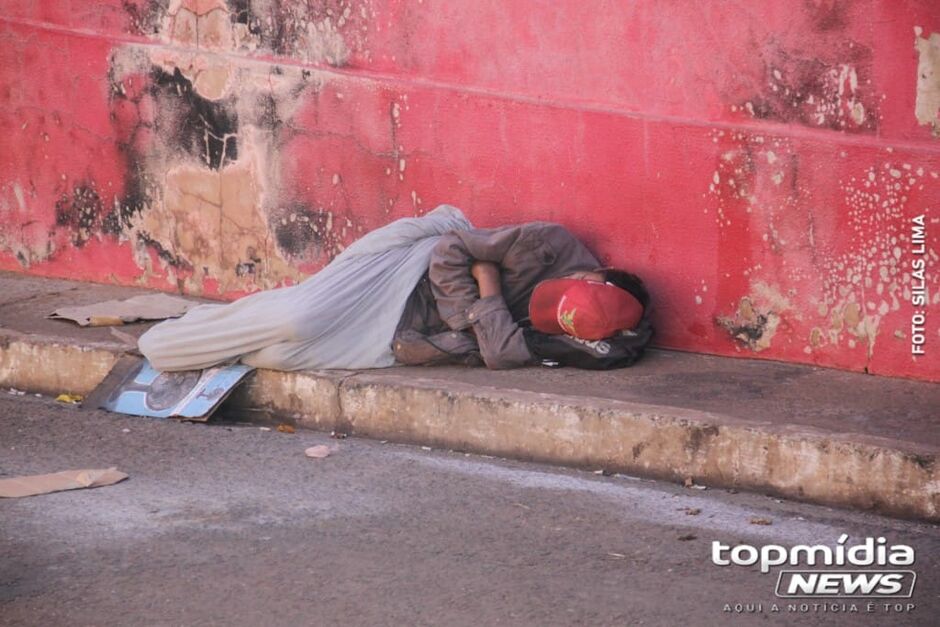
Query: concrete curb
[{"x": 865, "y": 472}]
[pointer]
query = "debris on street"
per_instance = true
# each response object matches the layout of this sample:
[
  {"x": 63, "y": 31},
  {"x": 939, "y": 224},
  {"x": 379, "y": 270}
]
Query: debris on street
[
  {"x": 318, "y": 452},
  {"x": 33, "y": 485}
]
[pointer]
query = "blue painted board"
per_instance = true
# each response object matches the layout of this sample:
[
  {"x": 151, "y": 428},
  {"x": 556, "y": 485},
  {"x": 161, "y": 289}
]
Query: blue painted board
[{"x": 191, "y": 394}]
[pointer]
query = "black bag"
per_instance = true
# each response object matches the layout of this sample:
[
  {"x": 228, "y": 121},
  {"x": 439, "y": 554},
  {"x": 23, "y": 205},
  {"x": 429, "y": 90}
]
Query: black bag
[{"x": 619, "y": 351}]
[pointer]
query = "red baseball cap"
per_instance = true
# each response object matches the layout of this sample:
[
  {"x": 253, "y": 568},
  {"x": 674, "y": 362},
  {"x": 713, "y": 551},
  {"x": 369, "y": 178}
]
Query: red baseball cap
[{"x": 586, "y": 309}]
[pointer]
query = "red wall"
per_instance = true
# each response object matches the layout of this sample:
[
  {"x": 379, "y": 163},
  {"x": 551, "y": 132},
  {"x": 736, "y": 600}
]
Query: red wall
[{"x": 758, "y": 163}]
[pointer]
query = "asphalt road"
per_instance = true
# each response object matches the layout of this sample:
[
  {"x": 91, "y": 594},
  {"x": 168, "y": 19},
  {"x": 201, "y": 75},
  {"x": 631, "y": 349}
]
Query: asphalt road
[{"x": 229, "y": 524}]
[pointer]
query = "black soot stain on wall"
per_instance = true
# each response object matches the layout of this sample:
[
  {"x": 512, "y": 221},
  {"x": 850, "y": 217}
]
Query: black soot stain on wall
[
  {"x": 297, "y": 227},
  {"x": 80, "y": 212},
  {"x": 202, "y": 128},
  {"x": 161, "y": 120}
]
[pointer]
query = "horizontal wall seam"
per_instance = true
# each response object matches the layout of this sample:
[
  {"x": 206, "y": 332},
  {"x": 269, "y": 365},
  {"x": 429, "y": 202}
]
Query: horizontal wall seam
[{"x": 789, "y": 131}]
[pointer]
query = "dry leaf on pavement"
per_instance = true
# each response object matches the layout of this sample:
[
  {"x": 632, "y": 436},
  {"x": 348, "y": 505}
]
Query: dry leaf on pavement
[
  {"x": 285, "y": 428},
  {"x": 761, "y": 521}
]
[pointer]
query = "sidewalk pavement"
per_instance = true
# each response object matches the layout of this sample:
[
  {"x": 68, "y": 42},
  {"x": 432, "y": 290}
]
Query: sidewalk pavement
[{"x": 813, "y": 434}]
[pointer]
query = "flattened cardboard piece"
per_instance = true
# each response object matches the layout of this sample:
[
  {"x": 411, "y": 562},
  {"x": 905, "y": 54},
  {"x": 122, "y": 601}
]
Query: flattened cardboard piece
[
  {"x": 134, "y": 387},
  {"x": 144, "y": 307},
  {"x": 32, "y": 485}
]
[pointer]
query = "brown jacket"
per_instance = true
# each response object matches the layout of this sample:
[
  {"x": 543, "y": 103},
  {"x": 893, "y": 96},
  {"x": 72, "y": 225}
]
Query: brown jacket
[{"x": 446, "y": 321}]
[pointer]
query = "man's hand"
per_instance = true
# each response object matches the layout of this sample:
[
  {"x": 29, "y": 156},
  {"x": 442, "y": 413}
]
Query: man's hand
[{"x": 486, "y": 274}]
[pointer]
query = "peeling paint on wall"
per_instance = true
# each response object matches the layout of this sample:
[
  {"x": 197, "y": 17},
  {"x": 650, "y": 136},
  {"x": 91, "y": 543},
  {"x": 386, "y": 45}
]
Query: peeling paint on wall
[
  {"x": 816, "y": 93},
  {"x": 81, "y": 212},
  {"x": 841, "y": 295},
  {"x": 328, "y": 31},
  {"x": 756, "y": 317},
  {"x": 927, "y": 107},
  {"x": 213, "y": 163},
  {"x": 756, "y": 190},
  {"x": 202, "y": 129},
  {"x": 862, "y": 285},
  {"x": 203, "y": 140}
]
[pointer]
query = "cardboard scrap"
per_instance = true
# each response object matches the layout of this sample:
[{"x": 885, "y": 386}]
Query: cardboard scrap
[
  {"x": 113, "y": 312},
  {"x": 56, "y": 482}
]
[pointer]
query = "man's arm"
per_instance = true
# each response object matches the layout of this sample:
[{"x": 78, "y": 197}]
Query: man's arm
[
  {"x": 501, "y": 341},
  {"x": 486, "y": 274},
  {"x": 469, "y": 294},
  {"x": 452, "y": 282}
]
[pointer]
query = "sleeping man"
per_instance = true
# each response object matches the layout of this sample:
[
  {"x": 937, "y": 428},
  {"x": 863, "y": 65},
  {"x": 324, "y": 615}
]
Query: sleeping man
[{"x": 422, "y": 291}]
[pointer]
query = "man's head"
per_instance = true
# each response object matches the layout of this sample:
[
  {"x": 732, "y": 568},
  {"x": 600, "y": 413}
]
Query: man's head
[{"x": 589, "y": 305}]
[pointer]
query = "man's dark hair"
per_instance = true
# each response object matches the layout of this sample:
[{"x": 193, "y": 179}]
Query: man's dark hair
[{"x": 628, "y": 282}]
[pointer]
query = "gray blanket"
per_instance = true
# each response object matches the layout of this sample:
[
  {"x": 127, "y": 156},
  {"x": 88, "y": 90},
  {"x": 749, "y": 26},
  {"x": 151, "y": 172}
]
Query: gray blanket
[{"x": 344, "y": 316}]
